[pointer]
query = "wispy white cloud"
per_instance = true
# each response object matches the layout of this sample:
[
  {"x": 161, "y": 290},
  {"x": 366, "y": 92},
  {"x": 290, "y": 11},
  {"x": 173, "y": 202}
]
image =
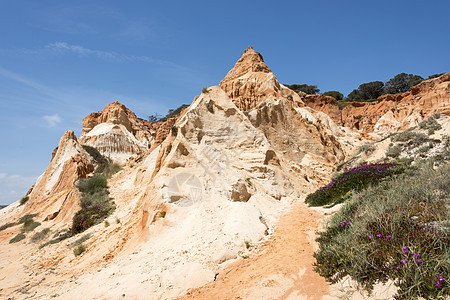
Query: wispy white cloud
[
  {"x": 14, "y": 186},
  {"x": 24, "y": 80},
  {"x": 52, "y": 120},
  {"x": 63, "y": 47}
]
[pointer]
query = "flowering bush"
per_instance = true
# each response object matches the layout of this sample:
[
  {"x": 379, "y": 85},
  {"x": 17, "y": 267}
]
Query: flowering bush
[
  {"x": 96, "y": 205},
  {"x": 354, "y": 179},
  {"x": 397, "y": 230}
]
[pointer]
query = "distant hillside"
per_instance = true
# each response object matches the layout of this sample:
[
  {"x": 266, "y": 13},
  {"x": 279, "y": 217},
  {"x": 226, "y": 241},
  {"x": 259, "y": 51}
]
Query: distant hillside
[{"x": 3, "y": 206}]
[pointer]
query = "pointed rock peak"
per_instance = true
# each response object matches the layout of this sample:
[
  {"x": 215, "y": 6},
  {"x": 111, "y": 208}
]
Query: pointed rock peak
[
  {"x": 250, "y": 62},
  {"x": 114, "y": 113},
  {"x": 251, "y": 82},
  {"x": 250, "y": 50},
  {"x": 68, "y": 135}
]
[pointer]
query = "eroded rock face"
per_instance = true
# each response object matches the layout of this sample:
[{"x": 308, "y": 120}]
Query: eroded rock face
[
  {"x": 250, "y": 83},
  {"x": 117, "y": 133},
  {"x": 391, "y": 112},
  {"x": 54, "y": 190}
]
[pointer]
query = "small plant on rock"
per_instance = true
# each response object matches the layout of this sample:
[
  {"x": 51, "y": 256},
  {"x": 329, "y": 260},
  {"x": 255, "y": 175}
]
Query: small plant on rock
[
  {"x": 78, "y": 250},
  {"x": 24, "y": 200},
  {"x": 17, "y": 238},
  {"x": 38, "y": 236}
]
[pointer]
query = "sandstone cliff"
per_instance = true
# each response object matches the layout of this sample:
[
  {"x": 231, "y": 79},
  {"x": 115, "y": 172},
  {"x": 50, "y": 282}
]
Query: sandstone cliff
[
  {"x": 201, "y": 191},
  {"x": 54, "y": 195},
  {"x": 391, "y": 112},
  {"x": 117, "y": 133}
]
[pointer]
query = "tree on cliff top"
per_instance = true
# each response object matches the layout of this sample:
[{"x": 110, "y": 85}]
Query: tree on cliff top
[
  {"x": 402, "y": 83},
  {"x": 369, "y": 91},
  {"x": 308, "y": 89},
  {"x": 335, "y": 94}
]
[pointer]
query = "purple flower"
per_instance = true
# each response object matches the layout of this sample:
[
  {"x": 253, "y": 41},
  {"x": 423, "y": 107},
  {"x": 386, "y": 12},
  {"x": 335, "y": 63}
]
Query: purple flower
[
  {"x": 437, "y": 284},
  {"x": 406, "y": 251},
  {"x": 388, "y": 237},
  {"x": 404, "y": 247},
  {"x": 370, "y": 237},
  {"x": 441, "y": 278},
  {"x": 403, "y": 261},
  {"x": 397, "y": 267},
  {"x": 379, "y": 235},
  {"x": 419, "y": 261},
  {"x": 416, "y": 255}
]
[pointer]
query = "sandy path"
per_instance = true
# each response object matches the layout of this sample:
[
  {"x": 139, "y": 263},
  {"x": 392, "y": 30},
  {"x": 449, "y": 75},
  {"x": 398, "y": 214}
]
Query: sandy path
[{"x": 280, "y": 269}]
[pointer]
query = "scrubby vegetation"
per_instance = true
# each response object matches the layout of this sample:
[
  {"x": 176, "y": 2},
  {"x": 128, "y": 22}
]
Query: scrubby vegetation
[
  {"x": 39, "y": 236},
  {"x": 58, "y": 237},
  {"x": 170, "y": 114},
  {"x": 7, "y": 225},
  {"x": 352, "y": 181},
  {"x": 394, "y": 151},
  {"x": 80, "y": 241},
  {"x": 99, "y": 158},
  {"x": 30, "y": 225},
  {"x": 411, "y": 137},
  {"x": 26, "y": 217},
  {"x": 78, "y": 250},
  {"x": 109, "y": 169},
  {"x": 395, "y": 222},
  {"x": 398, "y": 229},
  {"x": 431, "y": 124},
  {"x": 24, "y": 200},
  {"x": 335, "y": 94},
  {"x": 96, "y": 205},
  {"x": 305, "y": 88},
  {"x": 17, "y": 238}
]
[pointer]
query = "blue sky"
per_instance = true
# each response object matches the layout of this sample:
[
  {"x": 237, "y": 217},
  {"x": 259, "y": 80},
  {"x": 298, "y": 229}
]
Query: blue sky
[{"x": 61, "y": 60}]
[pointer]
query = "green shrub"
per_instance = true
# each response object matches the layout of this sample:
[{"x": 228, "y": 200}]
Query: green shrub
[
  {"x": 366, "y": 148},
  {"x": 171, "y": 114},
  {"x": 335, "y": 94},
  {"x": 26, "y": 217},
  {"x": 174, "y": 130},
  {"x": 394, "y": 151},
  {"x": 341, "y": 187},
  {"x": 38, "y": 236},
  {"x": 29, "y": 225},
  {"x": 24, "y": 200},
  {"x": 58, "y": 237},
  {"x": 96, "y": 205},
  {"x": 210, "y": 106},
  {"x": 92, "y": 185},
  {"x": 410, "y": 136},
  {"x": 78, "y": 250},
  {"x": 107, "y": 223},
  {"x": 108, "y": 169},
  {"x": 425, "y": 148},
  {"x": 96, "y": 155},
  {"x": 17, "y": 238},
  {"x": 7, "y": 225},
  {"x": 205, "y": 90},
  {"x": 431, "y": 124},
  {"x": 397, "y": 230},
  {"x": 80, "y": 241}
]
